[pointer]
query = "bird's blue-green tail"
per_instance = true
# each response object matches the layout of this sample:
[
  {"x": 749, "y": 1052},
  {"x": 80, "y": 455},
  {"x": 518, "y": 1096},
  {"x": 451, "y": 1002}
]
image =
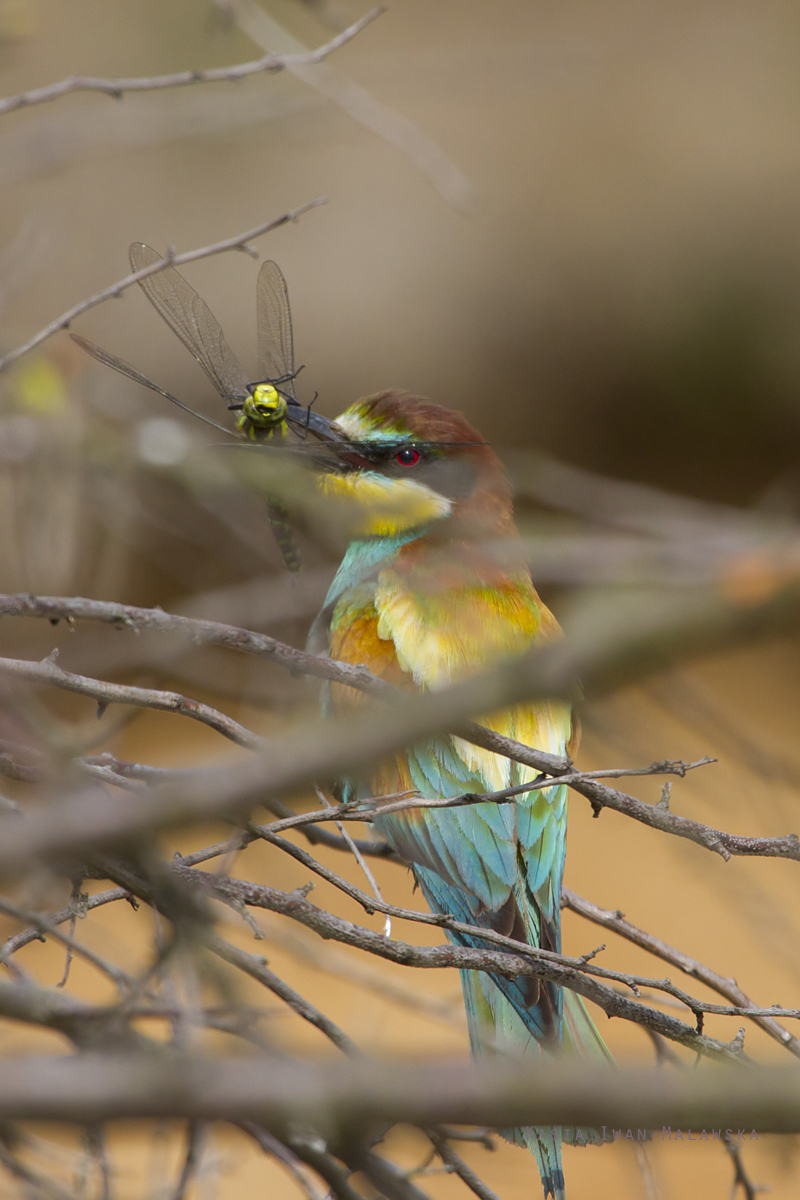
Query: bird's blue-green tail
[{"x": 495, "y": 1026}]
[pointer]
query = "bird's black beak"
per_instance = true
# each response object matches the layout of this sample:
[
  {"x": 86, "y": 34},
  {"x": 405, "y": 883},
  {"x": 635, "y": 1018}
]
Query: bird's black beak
[
  {"x": 324, "y": 430},
  {"x": 333, "y": 452}
]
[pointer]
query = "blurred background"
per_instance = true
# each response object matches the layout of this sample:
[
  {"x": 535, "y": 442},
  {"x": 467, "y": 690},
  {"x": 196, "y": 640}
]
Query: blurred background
[{"x": 600, "y": 261}]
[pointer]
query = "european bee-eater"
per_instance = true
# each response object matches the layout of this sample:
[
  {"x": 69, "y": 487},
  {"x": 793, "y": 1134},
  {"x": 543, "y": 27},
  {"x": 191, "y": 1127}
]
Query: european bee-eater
[{"x": 421, "y": 599}]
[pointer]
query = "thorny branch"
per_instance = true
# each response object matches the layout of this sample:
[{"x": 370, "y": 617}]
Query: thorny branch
[{"x": 117, "y": 87}]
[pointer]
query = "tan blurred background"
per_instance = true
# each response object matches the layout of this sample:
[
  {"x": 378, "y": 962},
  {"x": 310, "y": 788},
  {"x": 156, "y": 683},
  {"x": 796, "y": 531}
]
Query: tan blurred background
[{"x": 624, "y": 292}]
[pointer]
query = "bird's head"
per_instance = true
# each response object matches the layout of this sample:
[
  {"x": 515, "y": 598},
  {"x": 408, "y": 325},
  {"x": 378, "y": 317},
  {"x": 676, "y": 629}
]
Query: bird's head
[{"x": 406, "y": 464}]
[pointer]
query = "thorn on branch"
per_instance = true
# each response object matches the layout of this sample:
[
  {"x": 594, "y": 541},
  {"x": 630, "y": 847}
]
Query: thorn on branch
[{"x": 666, "y": 792}]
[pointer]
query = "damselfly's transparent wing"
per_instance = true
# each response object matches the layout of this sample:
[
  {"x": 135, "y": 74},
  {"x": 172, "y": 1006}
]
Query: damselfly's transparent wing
[
  {"x": 190, "y": 318},
  {"x": 119, "y": 364},
  {"x": 275, "y": 340}
]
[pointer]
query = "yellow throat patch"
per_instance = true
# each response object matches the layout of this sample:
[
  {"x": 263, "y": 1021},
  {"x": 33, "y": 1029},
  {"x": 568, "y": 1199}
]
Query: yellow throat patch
[{"x": 382, "y": 507}]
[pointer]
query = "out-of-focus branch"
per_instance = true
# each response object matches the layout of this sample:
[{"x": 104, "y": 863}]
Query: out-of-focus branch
[
  {"x": 357, "y": 102},
  {"x": 312, "y": 1151},
  {"x": 105, "y": 693},
  {"x": 118, "y": 87},
  {"x": 191, "y": 1160},
  {"x": 718, "y": 983},
  {"x": 240, "y": 242},
  {"x": 36, "y": 1185},
  {"x": 387, "y": 1179},
  {"x": 456, "y": 1164},
  {"x": 357, "y": 1095},
  {"x": 287, "y": 1157},
  {"x": 741, "y": 1179},
  {"x": 87, "y": 1028},
  {"x": 258, "y": 969},
  {"x": 43, "y": 923}
]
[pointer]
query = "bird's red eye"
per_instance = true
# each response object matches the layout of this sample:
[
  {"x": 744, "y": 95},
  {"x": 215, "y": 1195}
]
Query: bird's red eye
[{"x": 408, "y": 456}]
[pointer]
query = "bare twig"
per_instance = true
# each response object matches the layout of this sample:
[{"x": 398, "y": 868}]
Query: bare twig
[
  {"x": 117, "y": 87},
  {"x": 48, "y": 671},
  {"x": 376, "y": 891},
  {"x": 85, "y": 1026},
  {"x": 107, "y": 775},
  {"x": 718, "y": 983},
  {"x": 196, "y": 630},
  {"x": 44, "y": 924},
  {"x": 322, "y": 837},
  {"x": 34, "y": 932},
  {"x": 171, "y": 260},
  {"x": 647, "y": 1172},
  {"x": 380, "y": 806}
]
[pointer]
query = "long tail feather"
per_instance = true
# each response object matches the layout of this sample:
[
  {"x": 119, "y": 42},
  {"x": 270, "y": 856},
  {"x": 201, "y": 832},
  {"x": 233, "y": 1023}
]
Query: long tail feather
[{"x": 496, "y": 1027}]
